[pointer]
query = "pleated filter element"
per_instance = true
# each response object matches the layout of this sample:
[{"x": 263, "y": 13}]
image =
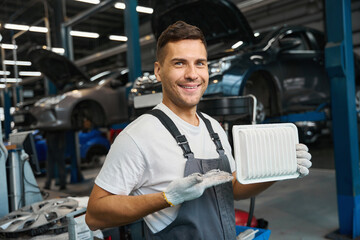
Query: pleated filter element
[{"x": 265, "y": 152}]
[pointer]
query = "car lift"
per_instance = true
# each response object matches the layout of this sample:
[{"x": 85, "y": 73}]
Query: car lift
[{"x": 339, "y": 64}]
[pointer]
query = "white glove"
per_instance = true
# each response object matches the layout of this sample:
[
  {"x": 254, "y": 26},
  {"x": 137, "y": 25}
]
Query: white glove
[
  {"x": 194, "y": 185},
  {"x": 303, "y": 159}
]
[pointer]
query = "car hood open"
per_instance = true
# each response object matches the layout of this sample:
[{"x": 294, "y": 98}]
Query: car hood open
[
  {"x": 220, "y": 20},
  {"x": 58, "y": 69}
]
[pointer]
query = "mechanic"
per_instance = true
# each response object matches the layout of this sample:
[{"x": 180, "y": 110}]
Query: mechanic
[
  {"x": 179, "y": 184},
  {"x": 55, "y": 158}
]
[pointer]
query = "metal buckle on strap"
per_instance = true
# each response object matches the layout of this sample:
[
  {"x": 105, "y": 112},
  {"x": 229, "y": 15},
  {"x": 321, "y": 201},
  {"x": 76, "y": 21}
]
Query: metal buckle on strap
[
  {"x": 216, "y": 140},
  {"x": 181, "y": 140},
  {"x": 183, "y": 143}
]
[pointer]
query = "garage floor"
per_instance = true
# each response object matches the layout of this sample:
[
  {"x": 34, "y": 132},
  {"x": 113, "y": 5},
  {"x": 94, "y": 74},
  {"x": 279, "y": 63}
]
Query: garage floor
[{"x": 297, "y": 209}]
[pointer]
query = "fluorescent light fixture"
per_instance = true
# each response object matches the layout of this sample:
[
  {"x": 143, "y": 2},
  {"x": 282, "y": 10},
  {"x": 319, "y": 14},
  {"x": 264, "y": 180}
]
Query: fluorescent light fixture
[
  {"x": 140, "y": 9},
  {"x": 2, "y": 73},
  {"x": 118, "y": 38},
  {"x": 38, "y": 29},
  {"x": 19, "y": 63},
  {"x": 8, "y": 46},
  {"x": 16, "y": 26},
  {"x": 147, "y": 10},
  {"x": 89, "y": 1},
  {"x": 58, "y": 50},
  {"x": 238, "y": 44},
  {"x": 25, "y": 28},
  {"x": 120, "y": 5},
  {"x": 10, "y": 80},
  {"x": 84, "y": 34},
  {"x": 28, "y": 73},
  {"x": 256, "y": 34}
]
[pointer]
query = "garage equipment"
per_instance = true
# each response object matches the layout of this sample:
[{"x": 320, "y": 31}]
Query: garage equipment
[
  {"x": 339, "y": 62},
  {"x": 38, "y": 218}
]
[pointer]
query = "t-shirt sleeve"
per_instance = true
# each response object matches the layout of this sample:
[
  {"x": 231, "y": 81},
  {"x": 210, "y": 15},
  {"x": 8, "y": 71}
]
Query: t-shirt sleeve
[{"x": 123, "y": 167}]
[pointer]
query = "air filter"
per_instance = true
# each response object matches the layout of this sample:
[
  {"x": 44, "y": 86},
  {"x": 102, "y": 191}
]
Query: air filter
[{"x": 265, "y": 152}]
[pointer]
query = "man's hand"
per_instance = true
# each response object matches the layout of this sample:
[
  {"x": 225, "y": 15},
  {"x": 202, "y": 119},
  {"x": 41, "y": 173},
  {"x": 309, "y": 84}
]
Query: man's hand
[
  {"x": 194, "y": 185},
  {"x": 303, "y": 159}
]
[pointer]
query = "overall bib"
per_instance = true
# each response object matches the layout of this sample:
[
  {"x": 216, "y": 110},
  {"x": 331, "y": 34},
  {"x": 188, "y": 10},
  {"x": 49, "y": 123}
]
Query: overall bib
[{"x": 211, "y": 216}]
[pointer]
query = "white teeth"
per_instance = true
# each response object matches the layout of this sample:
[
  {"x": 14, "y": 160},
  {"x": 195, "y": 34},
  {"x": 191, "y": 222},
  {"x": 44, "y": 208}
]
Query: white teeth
[{"x": 189, "y": 87}]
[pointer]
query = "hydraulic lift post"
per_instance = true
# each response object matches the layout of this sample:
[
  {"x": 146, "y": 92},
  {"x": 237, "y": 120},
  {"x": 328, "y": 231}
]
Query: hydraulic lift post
[{"x": 339, "y": 64}]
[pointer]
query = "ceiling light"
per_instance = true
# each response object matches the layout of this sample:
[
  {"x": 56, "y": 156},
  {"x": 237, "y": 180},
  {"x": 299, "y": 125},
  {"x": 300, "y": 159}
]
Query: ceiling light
[
  {"x": 19, "y": 63},
  {"x": 28, "y": 74},
  {"x": 38, "y": 29},
  {"x": 16, "y": 26},
  {"x": 2, "y": 86},
  {"x": 256, "y": 34},
  {"x": 84, "y": 34},
  {"x": 10, "y": 80},
  {"x": 141, "y": 9},
  {"x": 8, "y": 46},
  {"x": 118, "y": 38},
  {"x": 120, "y": 5},
  {"x": 89, "y": 1},
  {"x": 236, "y": 45},
  {"x": 4, "y": 73},
  {"x": 58, "y": 50},
  {"x": 144, "y": 9}
]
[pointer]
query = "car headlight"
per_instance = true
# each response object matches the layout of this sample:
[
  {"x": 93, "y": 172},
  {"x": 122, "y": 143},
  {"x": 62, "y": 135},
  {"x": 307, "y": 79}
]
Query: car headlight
[
  {"x": 145, "y": 84},
  {"x": 218, "y": 67},
  {"x": 49, "y": 101}
]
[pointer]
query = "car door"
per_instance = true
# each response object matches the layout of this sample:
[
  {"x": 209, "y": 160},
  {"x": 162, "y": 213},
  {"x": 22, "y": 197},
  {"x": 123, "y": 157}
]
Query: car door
[{"x": 303, "y": 76}]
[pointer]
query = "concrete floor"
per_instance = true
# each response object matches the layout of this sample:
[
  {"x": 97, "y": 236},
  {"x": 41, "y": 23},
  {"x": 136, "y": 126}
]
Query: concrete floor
[{"x": 299, "y": 209}]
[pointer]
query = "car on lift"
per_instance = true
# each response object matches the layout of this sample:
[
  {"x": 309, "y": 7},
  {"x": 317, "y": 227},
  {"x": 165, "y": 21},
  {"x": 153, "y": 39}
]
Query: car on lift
[
  {"x": 283, "y": 67},
  {"x": 100, "y": 99}
]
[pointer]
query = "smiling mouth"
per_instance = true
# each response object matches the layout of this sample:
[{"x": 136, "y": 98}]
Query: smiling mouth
[{"x": 189, "y": 87}]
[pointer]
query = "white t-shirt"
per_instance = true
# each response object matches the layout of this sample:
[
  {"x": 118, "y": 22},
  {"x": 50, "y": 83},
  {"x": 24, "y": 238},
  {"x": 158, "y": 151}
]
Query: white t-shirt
[{"x": 145, "y": 158}]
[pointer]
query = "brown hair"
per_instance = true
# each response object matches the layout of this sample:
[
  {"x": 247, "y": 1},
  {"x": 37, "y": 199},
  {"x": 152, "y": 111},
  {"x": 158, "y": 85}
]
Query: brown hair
[{"x": 176, "y": 32}]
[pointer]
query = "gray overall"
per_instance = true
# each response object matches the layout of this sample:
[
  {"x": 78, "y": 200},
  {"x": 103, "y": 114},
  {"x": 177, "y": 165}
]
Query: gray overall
[{"x": 211, "y": 216}]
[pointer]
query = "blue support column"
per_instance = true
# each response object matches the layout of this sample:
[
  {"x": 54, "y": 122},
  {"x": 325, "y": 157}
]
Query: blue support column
[
  {"x": 7, "y": 116},
  {"x": 132, "y": 33},
  {"x": 340, "y": 66}
]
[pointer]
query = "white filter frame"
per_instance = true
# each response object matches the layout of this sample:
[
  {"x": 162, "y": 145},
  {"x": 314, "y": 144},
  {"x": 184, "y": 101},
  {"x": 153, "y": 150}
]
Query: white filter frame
[{"x": 265, "y": 152}]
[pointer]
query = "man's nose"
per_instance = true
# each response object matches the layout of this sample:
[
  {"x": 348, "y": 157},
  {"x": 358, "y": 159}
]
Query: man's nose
[{"x": 191, "y": 73}]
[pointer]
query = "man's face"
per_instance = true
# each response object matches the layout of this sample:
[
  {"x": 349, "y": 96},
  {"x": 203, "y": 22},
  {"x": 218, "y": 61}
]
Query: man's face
[{"x": 183, "y": 72}]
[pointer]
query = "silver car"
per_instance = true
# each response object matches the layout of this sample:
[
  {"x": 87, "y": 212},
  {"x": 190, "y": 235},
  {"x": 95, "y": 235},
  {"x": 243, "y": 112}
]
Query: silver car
[{"x": 100, "y": 99}]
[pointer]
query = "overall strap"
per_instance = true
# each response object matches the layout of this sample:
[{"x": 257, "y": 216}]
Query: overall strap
[
  {"x": 170, "y": 126},
  {"x": 214, "y": 136}
]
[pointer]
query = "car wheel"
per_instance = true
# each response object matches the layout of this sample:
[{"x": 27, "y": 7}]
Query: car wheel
[
  {"x": 95, "y": 156},
  {"x": 90, "y": 111},
  {"x": 259, "y": 88},
  {"x": 357, "y": 102}
]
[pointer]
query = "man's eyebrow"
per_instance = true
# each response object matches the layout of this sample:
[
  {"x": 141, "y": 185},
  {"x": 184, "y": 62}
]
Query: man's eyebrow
[{"x": 184, "y": 60}]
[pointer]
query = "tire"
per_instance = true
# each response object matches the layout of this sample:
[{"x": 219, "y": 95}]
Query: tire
[
  {"x": 95, "y": 156},
  {"x": 88, "y": 110},
  {"x": 258, "y": 86},
  {"x": 357, "y": 102}
]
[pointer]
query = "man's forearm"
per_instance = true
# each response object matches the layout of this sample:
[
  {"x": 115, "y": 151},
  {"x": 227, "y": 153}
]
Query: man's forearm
[
  {"x": 116, "y": 210},
  {"x": 244, "y": 191}
]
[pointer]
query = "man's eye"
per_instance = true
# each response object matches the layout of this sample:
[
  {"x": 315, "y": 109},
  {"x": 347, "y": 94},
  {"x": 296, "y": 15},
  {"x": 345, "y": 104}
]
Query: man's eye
[
  {"x": 178, "y": 63},
  {"x": 201, "y": 64}
]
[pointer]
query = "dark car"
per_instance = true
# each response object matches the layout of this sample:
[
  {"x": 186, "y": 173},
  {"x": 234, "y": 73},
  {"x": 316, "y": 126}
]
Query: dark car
[
  {"x": 283, "y": 67},
  {"x": 100, "y": 99}
]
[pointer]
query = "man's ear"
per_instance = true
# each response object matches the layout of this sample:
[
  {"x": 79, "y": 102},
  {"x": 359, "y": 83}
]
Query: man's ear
[{"x": 157, "y": 68}]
